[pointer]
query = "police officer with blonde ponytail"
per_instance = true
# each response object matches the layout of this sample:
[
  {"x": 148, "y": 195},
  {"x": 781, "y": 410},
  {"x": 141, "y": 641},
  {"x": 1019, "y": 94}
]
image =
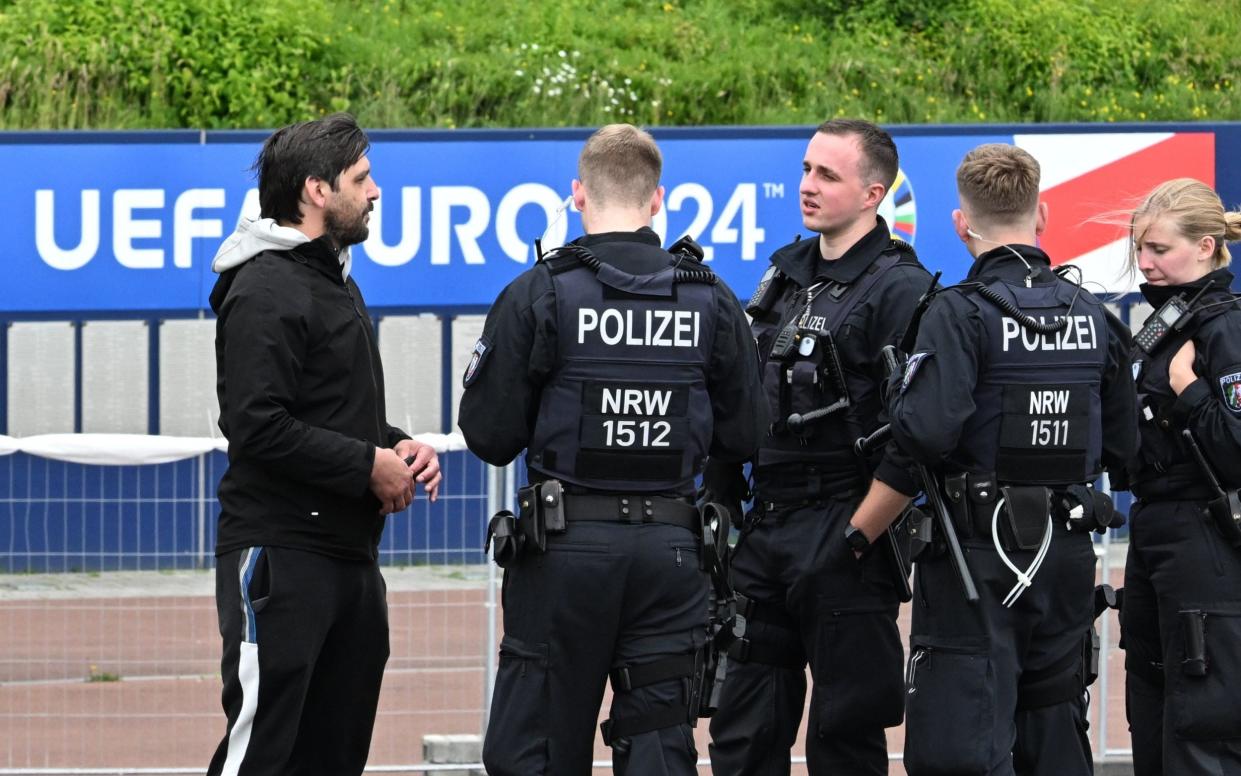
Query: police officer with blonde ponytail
[{"x": 1181, "y": 616}]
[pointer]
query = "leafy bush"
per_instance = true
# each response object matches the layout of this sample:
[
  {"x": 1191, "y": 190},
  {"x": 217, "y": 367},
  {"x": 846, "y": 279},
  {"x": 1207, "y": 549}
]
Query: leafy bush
[
  {"x": 166, "y": 63},
  {"x": 442, "y": 63}
]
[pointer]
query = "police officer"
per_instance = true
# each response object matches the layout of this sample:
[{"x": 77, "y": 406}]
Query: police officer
[
  {"x": 1181, "y": 619},
  {"x": 619, "y": 367},
  {"x": 1017, "y": 394},
  {"x": 810, "y": 588}
]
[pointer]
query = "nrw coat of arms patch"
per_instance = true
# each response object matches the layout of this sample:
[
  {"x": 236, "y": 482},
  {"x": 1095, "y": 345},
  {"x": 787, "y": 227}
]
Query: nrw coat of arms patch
[{"x": 1230, "y": 384}]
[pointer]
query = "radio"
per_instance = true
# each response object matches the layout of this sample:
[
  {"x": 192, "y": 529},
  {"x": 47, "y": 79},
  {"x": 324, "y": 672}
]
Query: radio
[{"x": 1163, "y": 322}]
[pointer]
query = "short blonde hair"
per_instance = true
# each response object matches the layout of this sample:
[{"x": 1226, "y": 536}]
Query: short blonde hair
[
  {"x": 998, "y": 183},
  {"x": 1194, "y": 210},
  {"x": 620, "y": 165}
]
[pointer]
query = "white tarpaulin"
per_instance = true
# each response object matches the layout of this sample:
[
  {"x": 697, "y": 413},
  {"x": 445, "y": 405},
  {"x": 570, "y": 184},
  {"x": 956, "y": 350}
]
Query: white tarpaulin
[{"x": 138, "y": 449}]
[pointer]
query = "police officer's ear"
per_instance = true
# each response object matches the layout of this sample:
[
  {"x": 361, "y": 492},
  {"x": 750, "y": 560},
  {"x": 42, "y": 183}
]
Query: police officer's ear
[
  {"x": 657, "y": 200},
  {"x": 579, "y": 195},
  {"x": 875, "y": 192},
  {"x": 1040, "y": 218},
  {"x": 960, "y": 225}
]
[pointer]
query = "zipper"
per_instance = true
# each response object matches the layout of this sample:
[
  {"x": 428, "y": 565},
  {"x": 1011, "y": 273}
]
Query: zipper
[
  {"x": 918, "y": 657},
  {"x": 364, "y": 322},
  {"x": 678, "y": 557}
]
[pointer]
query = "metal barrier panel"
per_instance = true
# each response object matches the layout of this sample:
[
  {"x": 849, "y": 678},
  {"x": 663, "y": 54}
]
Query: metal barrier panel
[{"x": 109, "y": 648}]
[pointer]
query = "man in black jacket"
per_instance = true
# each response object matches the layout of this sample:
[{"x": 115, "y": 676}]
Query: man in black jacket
[
  {"x": 314, "y": 466},
  {"x": 618, "y": 366}
]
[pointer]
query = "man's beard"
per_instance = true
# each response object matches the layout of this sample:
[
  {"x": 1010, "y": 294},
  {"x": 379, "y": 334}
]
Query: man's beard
[{"x": 345, "y": 230}]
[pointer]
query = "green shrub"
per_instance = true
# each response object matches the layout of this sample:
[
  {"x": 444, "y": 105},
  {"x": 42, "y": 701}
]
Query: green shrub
[
  {"x": 458, "y": 63},
  {"x": 166, "y": 63}
]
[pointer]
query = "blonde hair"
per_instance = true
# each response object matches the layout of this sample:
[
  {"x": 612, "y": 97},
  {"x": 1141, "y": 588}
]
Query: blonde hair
[
  {"x": 620, "y": 165},
  {"x": 998, "y": 183},
  {"x": 1194, "y": 210}
]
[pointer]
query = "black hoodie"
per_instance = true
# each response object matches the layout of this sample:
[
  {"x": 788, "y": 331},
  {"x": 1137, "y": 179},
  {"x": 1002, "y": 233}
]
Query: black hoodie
[{"x": 301, "y": 396}]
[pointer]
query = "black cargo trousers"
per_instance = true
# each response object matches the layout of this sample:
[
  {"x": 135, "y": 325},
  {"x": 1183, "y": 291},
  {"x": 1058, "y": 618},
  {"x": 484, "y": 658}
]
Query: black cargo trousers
[
  {"x": 1181, "y": 576},
  {"x": 605, "y": 595},
  {"x": 976, "y": 670},
  {"x": 817, "y": 604}
]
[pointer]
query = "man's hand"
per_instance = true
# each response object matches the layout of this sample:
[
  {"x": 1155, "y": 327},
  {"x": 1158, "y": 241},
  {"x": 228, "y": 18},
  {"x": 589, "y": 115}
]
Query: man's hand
[
  {"x": 878, "y": 510},
  {"x": 390, "y": 481},
  {"x": 1181, "y": 368},
  {"x": 425, "y": 467}
]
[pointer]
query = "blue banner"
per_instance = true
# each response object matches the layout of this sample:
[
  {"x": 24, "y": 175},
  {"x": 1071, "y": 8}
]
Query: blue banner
[{"x": 131, "y": 223}]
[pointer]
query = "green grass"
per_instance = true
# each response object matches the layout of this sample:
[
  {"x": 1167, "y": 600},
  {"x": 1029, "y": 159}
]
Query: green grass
[{"x": 468, "y": 63}]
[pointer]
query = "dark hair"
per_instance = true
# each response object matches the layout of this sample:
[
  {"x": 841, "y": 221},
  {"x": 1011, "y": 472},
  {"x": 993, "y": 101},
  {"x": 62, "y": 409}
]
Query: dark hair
[
  {"x": 323, "y": 149},
  {"x": 880, "y": 160}
]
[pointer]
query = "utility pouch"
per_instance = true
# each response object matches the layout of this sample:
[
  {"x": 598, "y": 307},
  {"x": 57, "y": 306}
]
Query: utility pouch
[
  {"x": 551, "y": 506},
  {"x": 1093, "y": 651},
  {"x": 530, "y": 517},
  {"x": 1023, "y": 521},
  {"x": 955, "y": 489},
  {"x": 1193, "y": 630},
  {"x": 503, "y": 532},
  {"x": 921, "y": 536},
  {"x": 1226, "y": 512}
]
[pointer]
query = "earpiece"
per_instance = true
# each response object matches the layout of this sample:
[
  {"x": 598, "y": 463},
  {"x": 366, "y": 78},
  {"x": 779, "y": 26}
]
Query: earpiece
[{"x": 974, "y": 234}]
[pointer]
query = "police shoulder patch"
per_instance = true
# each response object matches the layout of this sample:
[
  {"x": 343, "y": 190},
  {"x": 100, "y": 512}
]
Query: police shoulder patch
[
  {"x": 481, "y": 349},
  {"x": 911, "y": 368},
  {"x": 1230, "y": 385}
]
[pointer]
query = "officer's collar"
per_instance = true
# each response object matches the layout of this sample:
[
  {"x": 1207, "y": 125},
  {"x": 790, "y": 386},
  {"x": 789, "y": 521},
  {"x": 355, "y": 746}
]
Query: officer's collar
[
  {"x": 1000, "y": 263},
  {"x": 1221, "y": 280},
  {"x": 804, "y": 262},
  {"x": 644, "y": 235}
]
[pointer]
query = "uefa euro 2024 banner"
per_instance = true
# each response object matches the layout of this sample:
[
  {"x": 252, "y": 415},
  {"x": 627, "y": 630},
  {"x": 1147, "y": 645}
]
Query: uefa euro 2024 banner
[{"x": 134, "y": 225}]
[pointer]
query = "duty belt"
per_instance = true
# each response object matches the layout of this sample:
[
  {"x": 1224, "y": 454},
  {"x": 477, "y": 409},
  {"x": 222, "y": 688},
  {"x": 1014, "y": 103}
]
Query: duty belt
[{"x": 632, "y": 508}]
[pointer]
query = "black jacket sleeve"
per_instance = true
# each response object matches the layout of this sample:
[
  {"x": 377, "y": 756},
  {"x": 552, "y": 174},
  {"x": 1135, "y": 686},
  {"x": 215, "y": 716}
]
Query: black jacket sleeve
[
  {"x": 265, "y": 325},
  {"x": 1205, "y": 408},
  {"x": 894, "y": 307},
  {"x": 1120, "y": 404},
  {"x": 738, "y": 406},
  {"x": 501, "y": 399},
  {"x": 931, "y": 405}
]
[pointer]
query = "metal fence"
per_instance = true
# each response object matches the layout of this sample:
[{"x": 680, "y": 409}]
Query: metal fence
[{"x": 109, "y": 650}]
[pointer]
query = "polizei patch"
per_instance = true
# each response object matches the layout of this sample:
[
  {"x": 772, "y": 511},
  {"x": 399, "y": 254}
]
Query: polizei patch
[
  {"x": 481, "y": 349},
  {"x": 1230, "y": 384},
  {"x": 911, "y": 368}
]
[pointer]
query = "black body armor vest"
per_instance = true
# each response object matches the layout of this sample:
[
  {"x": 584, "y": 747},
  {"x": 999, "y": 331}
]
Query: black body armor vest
[
  {"x": 627, "y": 407},
  {"x": 802, "y": 374},
  {"x": 1038, "y": 413}
]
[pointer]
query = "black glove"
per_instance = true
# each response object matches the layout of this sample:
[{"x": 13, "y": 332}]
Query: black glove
[{"x": 725, "y": 484}]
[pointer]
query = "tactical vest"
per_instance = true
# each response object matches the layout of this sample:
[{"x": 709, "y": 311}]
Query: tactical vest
[
  {"x": 808, "y": 378},
  {"x": 627, "y": 407},
  {"x": 1038, "y": 413}
]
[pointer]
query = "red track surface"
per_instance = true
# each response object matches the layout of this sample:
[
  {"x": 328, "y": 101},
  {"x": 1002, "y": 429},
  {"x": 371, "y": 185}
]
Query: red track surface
[{"x": 155, "y": 700}]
